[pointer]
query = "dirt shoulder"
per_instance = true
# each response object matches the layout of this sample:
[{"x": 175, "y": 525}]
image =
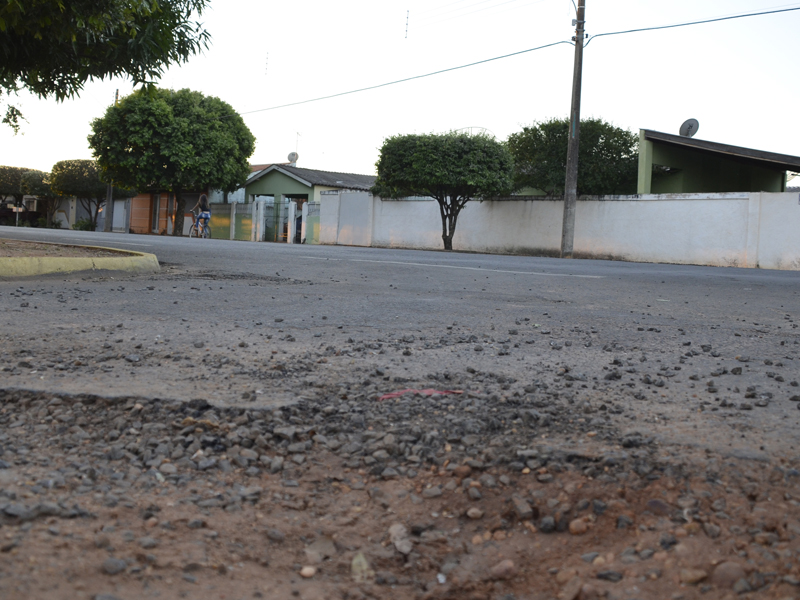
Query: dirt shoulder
[
  {"x": 134, "y": 498},
  {"x": 19, "y": 249}
]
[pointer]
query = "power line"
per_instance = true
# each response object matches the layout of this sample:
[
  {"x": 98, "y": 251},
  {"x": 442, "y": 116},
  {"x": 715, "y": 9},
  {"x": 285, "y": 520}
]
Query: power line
[
  {"x": 480, "y": 62},
  {"x": 758, "y": 14},
  {"x": 380, "y": 85}
]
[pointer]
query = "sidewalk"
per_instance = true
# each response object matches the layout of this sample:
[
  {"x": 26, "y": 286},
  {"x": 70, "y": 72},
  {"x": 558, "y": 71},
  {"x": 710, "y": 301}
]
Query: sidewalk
[{"x": 29, "y": 259}]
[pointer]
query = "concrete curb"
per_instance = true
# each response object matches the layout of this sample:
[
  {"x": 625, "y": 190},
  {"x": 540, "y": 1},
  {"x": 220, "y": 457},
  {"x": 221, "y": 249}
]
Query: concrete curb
[{"x": 29, "y": 266}]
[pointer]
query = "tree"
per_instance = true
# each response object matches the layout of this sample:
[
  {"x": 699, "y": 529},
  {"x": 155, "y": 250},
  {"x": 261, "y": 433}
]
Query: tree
[
  {"x": 11, "y": 183},
  {"x": 52, "y": 47},
  {"x": 176, "y": 141},
  {"x": 36, "y": 183},
  {"x": 80, "y": 179},
  {"x": 607, "y": 159},
  {"x": 452, "y": 168}
]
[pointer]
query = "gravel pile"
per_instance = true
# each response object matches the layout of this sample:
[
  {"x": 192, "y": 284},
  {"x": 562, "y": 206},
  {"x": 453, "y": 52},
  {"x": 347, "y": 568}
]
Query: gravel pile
[{"x": 442, "y": 496}]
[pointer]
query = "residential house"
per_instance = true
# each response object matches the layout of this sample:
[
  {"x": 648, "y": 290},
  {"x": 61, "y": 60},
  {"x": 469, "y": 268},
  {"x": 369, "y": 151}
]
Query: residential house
[
  {"x": 689, "y": 165},
  {"x": 291, "y": 194}
]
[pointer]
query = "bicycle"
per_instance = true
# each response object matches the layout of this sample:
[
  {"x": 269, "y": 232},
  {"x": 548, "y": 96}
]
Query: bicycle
[{"x": 199, "y": 229}]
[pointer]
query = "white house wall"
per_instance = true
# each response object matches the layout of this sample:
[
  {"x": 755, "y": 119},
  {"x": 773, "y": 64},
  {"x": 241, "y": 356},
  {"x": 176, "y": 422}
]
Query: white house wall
[
  {"x": 745, "y": 230},
  {"x": 707, "y": 231},
  {"x": 355, "y": 223},
  {"x": 328, "y": 218},
  {"x": 779, "y": 236}
]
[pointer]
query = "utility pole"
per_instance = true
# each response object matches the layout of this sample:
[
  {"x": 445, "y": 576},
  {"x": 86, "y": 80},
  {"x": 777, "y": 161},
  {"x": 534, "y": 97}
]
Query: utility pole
[
  {"x": 571, "y": 184},
  {"x": 108, "y": 226}
]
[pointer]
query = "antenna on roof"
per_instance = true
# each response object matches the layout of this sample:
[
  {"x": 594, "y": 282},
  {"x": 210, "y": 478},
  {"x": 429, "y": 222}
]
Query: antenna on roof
[
  {"x": 689, "y": 127},
  {"x": 293, "y": 156}
]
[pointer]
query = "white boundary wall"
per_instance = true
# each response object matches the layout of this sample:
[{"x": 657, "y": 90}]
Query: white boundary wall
[{"x": 740, "y": 229}]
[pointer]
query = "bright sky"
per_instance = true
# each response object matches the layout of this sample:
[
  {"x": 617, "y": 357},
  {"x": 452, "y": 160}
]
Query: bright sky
[{"x": 738, "y": 77}]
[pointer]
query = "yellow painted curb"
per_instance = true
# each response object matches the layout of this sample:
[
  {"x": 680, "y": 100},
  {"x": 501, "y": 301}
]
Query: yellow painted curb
[{"x": 29, "y": 266}]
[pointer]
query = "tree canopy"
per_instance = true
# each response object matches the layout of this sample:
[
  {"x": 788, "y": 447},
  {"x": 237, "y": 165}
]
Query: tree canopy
[
  {"x": 37, "y": 183},
  {"x": 607, "y": 158},
  {"x": 80, "y": 179},
  {"x": 52, "y": 47},
  {"x": 173, "y": 141},
  {"x": 11, "y": 182},
  {"x": 452, "y": 168}
]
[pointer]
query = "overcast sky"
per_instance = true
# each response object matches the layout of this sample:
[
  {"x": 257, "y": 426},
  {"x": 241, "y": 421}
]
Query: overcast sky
[{"x": 738, "y": 77}]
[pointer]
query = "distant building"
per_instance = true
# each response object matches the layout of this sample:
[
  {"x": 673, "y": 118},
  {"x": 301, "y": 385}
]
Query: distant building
[{"x": 674, "y": 164}]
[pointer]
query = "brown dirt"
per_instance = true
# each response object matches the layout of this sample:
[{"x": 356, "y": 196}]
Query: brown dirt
[
  {"x": 19, "y": 249},
  {"x": 68, "y": 507}
]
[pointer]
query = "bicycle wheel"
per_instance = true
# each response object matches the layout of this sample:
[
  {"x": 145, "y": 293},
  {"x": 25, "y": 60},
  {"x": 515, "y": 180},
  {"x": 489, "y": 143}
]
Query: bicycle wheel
[
  {"x": 193, "y": 231},
  {"x": 207, "y": 232}
]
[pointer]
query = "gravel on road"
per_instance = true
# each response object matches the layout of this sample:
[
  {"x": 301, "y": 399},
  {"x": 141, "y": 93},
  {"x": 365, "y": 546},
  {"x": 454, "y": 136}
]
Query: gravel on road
[{"x": 282, "y": 447}]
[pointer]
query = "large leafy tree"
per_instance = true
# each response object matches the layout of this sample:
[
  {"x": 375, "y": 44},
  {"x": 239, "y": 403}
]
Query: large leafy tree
[
  {"x": 176, "y": 141},
  {"x": 452, "y": 168},
  {"x": 52, "y": 47},
  {"x": 37, "y": 183},
  {"x": 607, "y": 158}
]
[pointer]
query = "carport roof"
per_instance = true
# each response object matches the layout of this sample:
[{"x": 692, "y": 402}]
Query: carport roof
[
  {"x": 312, "y": 177},
  {"x": 770, "y": 160}
]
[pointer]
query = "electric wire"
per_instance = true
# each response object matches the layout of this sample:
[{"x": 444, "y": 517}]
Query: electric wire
[
  {"x": 388, "y": 83},
  {"x": 487, "y": 60},
  {"x": 715, "y": 20}
]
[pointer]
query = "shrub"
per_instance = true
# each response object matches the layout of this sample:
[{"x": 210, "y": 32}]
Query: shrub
[{"x": 83, "y": 225}]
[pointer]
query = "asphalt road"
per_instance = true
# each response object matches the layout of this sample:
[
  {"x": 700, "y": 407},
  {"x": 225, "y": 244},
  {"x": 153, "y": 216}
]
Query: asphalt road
[
  {"x": 669, "y": 336},
  {"x": 262, "y": 259}
]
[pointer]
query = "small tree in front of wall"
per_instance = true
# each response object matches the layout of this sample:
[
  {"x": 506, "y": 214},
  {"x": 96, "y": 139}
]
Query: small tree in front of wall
[
  {"x": 453, "y": 168},
  {"x": 80, "y": 179},
  {"x": 36, "y": 183},
  {"x": 11, "y": 183}
]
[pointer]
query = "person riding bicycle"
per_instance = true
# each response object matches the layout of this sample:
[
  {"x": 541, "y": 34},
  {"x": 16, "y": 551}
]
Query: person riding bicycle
[{"x": 205, "y": 211}]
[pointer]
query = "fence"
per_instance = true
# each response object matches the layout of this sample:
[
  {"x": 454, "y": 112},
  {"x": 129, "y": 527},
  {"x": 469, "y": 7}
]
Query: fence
[
  {"x": 739, "y": 229},
  {"x": 312, "y": 223},
  {"x": 232, "y": 221},
  {"x": 261, "y": 221}
]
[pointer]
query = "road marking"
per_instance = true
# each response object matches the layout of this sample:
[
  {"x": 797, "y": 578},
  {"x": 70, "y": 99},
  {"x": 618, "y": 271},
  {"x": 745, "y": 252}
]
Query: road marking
[{"x": 414, "y": 264}]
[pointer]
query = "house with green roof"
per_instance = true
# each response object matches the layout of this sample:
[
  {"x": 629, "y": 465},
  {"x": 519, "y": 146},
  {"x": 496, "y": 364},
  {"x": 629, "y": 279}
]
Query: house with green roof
[{"x": 288, "y": 192}]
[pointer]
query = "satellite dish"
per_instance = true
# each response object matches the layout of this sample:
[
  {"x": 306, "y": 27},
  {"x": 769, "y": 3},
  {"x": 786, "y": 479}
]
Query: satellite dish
[
  {"x": 689, "y": 127},
  {"x": 293, "y": 156}
]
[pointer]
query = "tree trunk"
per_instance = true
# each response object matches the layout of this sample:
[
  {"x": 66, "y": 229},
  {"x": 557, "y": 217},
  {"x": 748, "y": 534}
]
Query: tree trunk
[
  {"x": 52, "y": 206},
  {"x": 449, "y": 216},
  {"x": 93, "y": 214},
  {"x": 180, "y": 208},
  {"x": 88, "y": 204},
  {"x": 224, "y": 197}
]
